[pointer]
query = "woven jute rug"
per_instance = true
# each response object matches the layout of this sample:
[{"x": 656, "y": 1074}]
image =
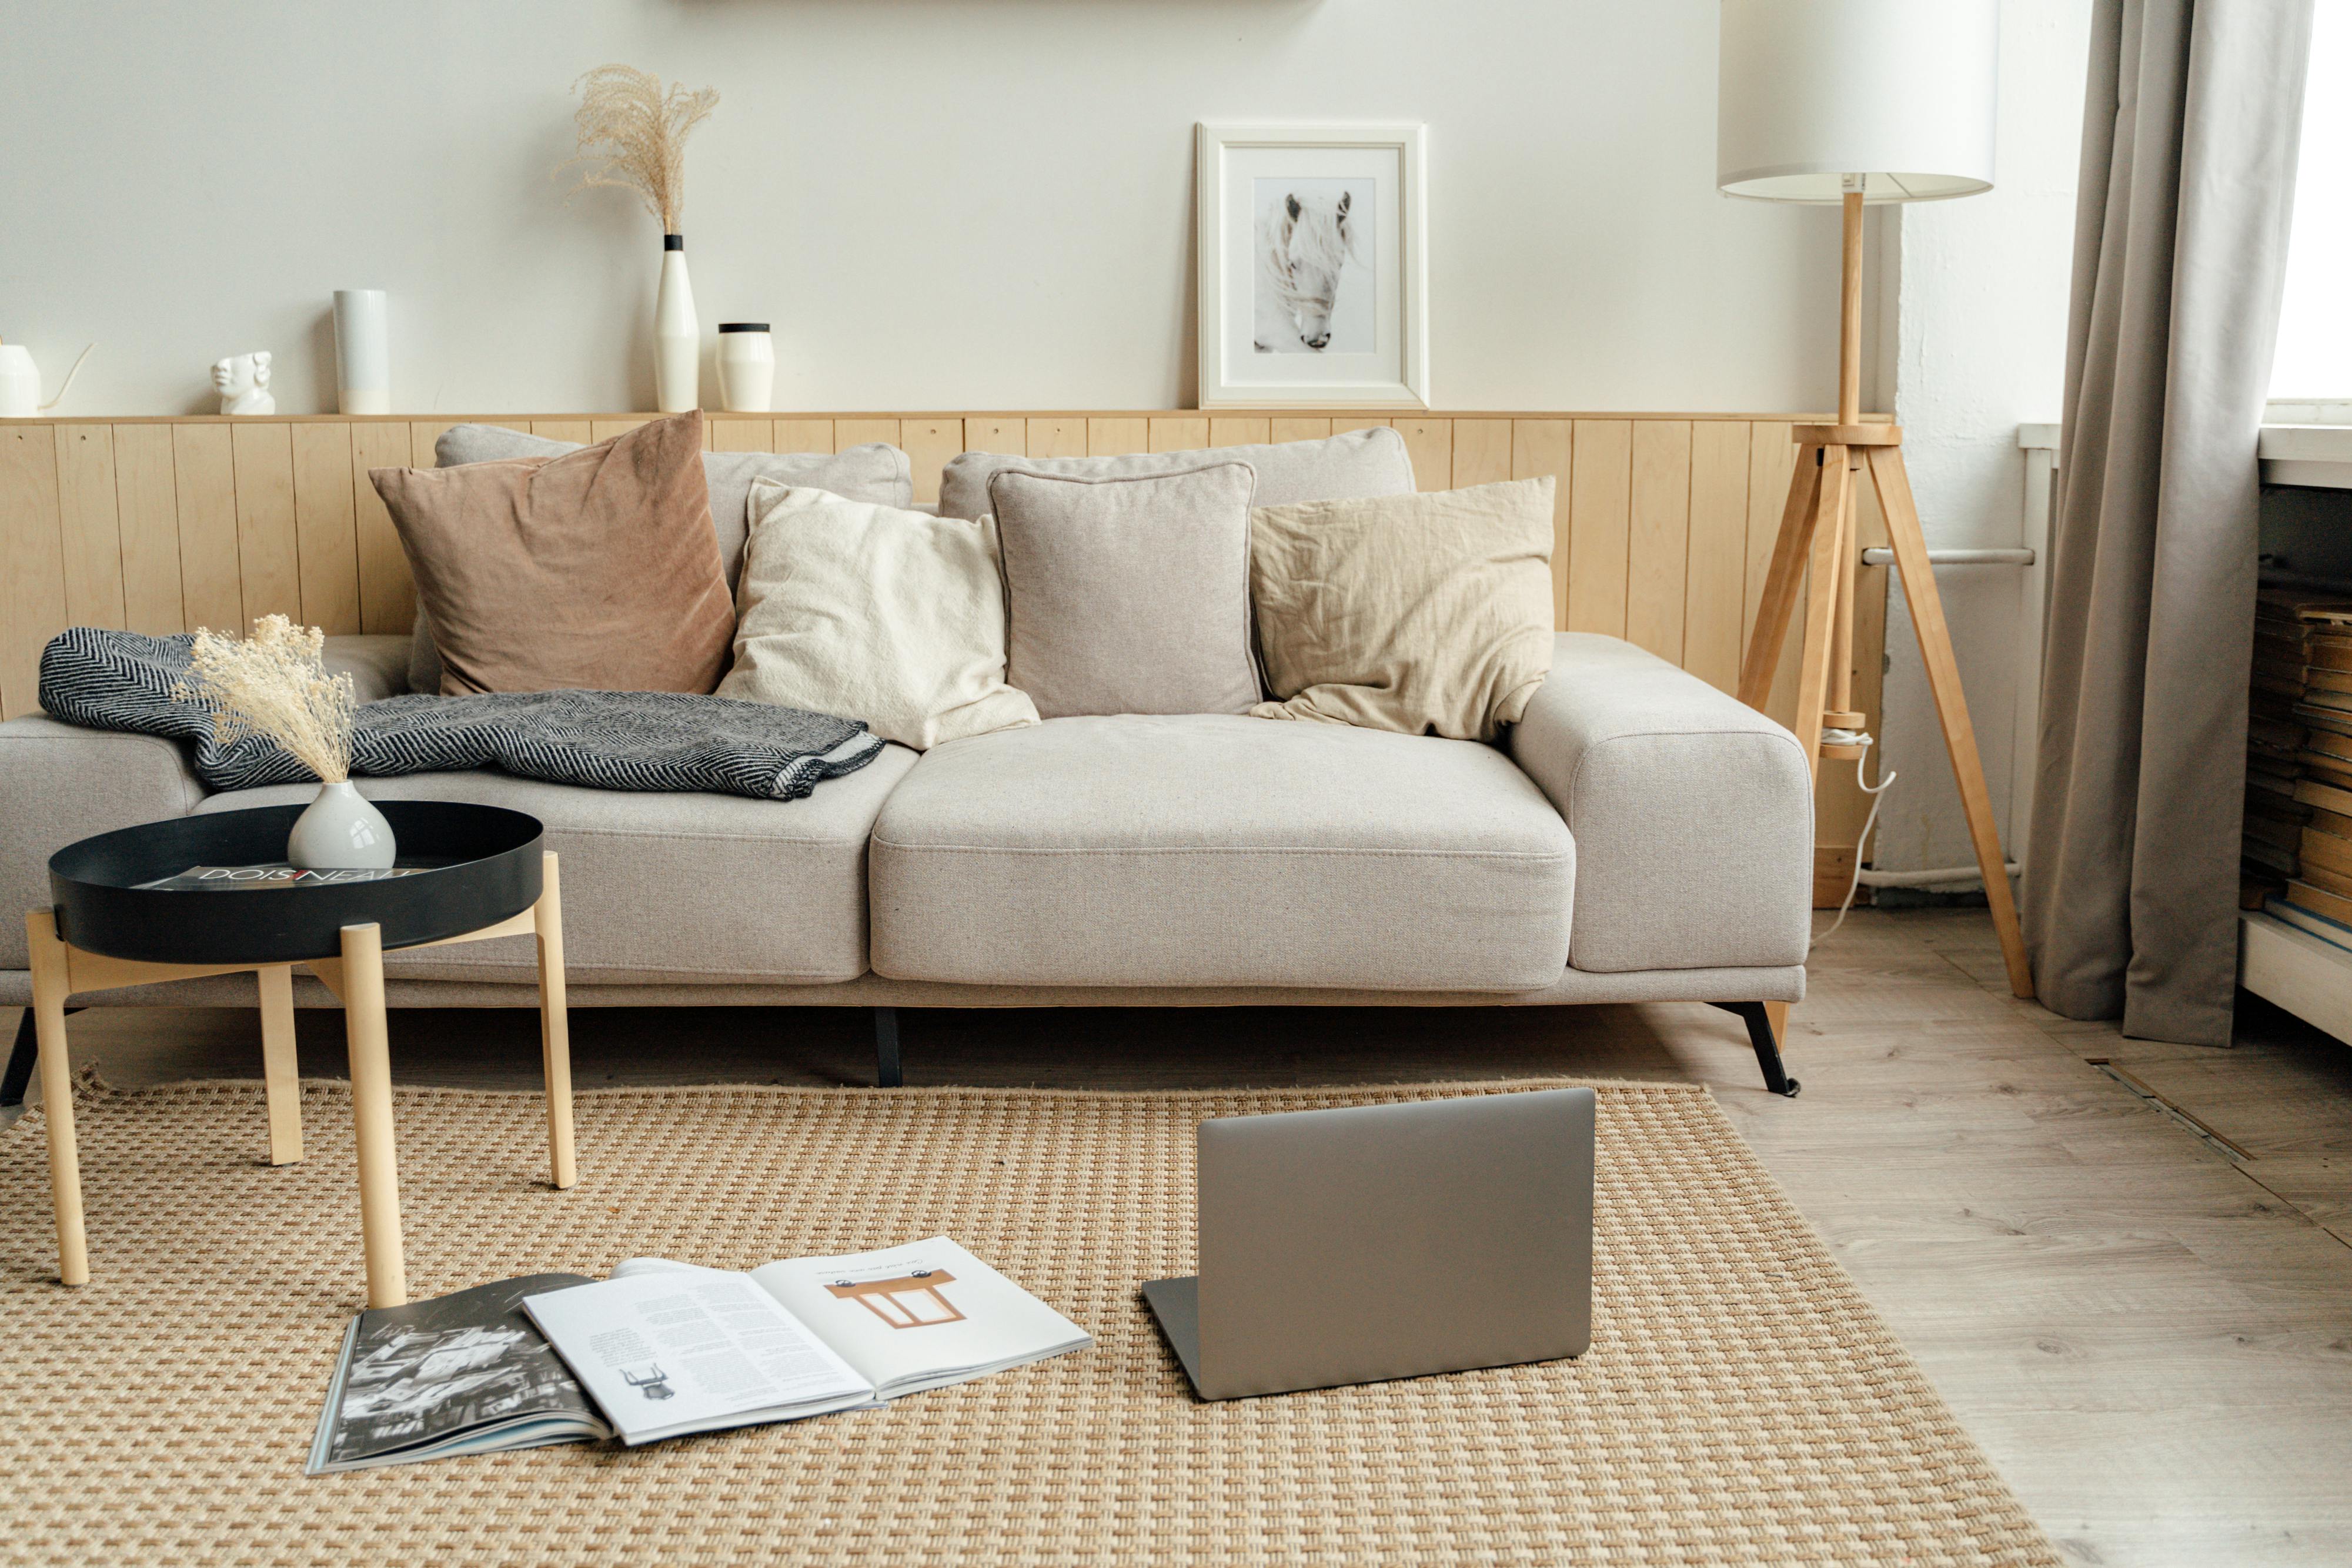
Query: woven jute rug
[{"x": 1741, "y": 1403}]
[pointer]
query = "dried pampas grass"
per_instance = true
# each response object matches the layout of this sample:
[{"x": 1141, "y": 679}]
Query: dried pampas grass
[
  {"x": 275, "y": 685},
  {"x": 633, "y": 134}
]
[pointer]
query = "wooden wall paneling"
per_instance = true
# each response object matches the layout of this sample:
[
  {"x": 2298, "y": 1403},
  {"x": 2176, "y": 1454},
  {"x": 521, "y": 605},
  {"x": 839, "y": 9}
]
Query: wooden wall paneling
[
  {"x": 563, "y": 429},
  {"x": 1541, "y": 447},
  {"x": 1430, "y": 443},
  {"x": 1057, "y": 438},
  {"x": 996, "y": 432},
  {"x": 1241, "y": 432},
  {"x": 1169, "y": 435},
  {"x": 1345, "y": 424},
  {"x": 605, "y": 429},
  {"x": 90, "y": 526},
  {"x": 1482, "y": 452},
  {"x": 1716, "y": 593},
  {"x": 849, "y": 433},
  {"x": 803, "y": 436},
  {"x": 204, "y": 471},
  {"x": 1285, "y": 427},
  {"x": 1657, "y": 548},
  {"x": 741, "y": 434},
  {"x": 147, "y": 508},
  {"x": 1116, "y": 437},
  {"x": 929, "y": 443},
  {"x": 326, "y": 526},
  {"x": 1600, "y": 510},
  {"x": 1771, "y": 457},
  {"x": 269, "y": 548},
  {"x": 387, "y": 599},
  {"x": 33, "y": 586},
  {"x": 423, "y": 433}
]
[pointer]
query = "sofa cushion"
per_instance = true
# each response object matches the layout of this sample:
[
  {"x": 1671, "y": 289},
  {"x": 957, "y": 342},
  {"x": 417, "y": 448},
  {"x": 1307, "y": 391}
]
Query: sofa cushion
[
  {"x": 1218, "y": 850},
  {"x": 1127, "y": 595},
  {"x": 1358, "y": 463},
  {"x": 670, "y": 887}
]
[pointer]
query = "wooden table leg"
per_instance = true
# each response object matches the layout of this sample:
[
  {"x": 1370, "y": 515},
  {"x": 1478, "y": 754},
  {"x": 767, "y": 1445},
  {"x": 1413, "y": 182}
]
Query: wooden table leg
[
  {"x": 555, "y": 1027},
  {"x": 51, "y": 986},
  {"x": 281, "y": 1073},
  {"x": 371, "y": 1047}
]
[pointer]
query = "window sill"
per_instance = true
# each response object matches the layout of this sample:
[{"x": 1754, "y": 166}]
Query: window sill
[{"x": 2318, "y": 455}]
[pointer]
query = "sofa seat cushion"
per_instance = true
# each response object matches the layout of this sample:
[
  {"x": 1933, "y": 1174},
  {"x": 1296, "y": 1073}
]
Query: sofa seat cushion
[
  {"x": 1219, "y": 850},
  {"x": 669, "y": 886}
]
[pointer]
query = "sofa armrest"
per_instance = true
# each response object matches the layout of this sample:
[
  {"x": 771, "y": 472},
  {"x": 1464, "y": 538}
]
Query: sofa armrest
[
  {"x": 1693, "y": 813},
  {"x": 58, "y": 783}
]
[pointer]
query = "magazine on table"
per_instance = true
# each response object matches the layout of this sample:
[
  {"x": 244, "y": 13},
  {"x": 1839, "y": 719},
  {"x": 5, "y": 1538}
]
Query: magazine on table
[
  {"x": 662, "y": 1348},
  {"x": 668, "y": 1348},
  {"x": 272, "y": 877}
]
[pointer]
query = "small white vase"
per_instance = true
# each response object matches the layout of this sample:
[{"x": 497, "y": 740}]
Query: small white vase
[
  {"x": 747, "y": 367},
  {"x": 340, "y": 830},
  {"x": 677, "y": 338}
]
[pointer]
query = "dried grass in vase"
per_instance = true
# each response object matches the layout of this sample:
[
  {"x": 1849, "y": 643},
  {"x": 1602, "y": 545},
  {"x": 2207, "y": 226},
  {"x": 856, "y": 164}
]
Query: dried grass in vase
[
  {"x": 275, "y": 685},
  {"x": 632, "y": 133}
]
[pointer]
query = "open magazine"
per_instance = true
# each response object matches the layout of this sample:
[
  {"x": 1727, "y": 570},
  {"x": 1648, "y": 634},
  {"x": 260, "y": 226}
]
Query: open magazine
[
  {"x": 667, "y": 1348},
  {"x": 662, "y": 1349}
]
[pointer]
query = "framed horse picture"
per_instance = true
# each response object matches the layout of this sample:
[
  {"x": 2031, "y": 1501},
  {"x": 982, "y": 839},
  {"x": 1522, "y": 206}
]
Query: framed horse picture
[{"x": 1313, "y": 266}]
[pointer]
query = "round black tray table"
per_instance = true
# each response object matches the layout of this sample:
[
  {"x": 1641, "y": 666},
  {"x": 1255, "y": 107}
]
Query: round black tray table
[{"x": 487, "y": 875}]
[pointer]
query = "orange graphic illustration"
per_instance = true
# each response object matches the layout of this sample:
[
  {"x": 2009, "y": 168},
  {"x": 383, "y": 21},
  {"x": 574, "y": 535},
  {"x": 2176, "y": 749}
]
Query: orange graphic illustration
[{"x": 910, "y": 1301}]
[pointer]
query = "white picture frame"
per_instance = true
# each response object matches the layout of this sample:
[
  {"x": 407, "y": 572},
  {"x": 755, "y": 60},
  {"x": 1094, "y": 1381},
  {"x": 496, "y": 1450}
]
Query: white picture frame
[{"x": 1308, "y": 233}]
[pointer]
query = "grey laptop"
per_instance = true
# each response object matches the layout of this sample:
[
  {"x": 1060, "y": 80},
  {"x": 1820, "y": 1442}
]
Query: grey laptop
[{"x": 1382, "y": 1241}]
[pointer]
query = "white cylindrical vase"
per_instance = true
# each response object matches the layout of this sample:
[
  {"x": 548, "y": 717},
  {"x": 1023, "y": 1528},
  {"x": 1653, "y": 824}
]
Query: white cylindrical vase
[
  {"x": 747, "y": 367},
  {"x": 677, "y": 339},
  {"x": 363, "y": 351},
  {"x": 342, "y": 829}
]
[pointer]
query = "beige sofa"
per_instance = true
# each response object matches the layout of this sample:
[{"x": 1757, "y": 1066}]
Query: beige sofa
[{"x": 1640, "y": 837}]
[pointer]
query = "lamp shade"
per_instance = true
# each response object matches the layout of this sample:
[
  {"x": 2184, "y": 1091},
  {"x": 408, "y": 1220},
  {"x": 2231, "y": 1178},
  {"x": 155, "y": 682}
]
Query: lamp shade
[{"x": 1900, "y": 92}]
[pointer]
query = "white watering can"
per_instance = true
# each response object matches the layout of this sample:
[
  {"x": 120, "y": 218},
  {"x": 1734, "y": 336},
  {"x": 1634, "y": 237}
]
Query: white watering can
[{"x": 20, "y": 382}]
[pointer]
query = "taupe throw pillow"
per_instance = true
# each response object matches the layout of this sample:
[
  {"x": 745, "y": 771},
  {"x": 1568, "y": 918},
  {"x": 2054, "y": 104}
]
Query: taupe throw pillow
[
  {"x": 1371, "y": 462},
  {"x": 1127, "y": 595},
  {"x": 1428, "y": 613},
  {"x": 596, "y": 569}
]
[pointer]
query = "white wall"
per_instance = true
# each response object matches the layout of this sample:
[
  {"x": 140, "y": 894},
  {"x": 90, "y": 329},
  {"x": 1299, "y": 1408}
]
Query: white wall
[
  {"x": 1980, "y": 325},
  {"x": 939, "y": 204}
]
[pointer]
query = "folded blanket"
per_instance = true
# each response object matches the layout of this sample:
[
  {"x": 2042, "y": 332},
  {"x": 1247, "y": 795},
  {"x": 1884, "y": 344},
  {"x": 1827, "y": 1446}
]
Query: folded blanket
[{"x": 604, "y": 741}]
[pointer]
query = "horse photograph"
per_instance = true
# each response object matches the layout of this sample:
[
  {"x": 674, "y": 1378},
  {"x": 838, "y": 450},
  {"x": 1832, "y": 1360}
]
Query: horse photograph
[{"x": 1314, "y": 285}]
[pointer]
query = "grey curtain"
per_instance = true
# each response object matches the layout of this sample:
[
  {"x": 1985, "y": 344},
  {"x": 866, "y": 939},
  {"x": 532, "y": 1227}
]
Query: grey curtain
[{"x": 2187, "y": 178}]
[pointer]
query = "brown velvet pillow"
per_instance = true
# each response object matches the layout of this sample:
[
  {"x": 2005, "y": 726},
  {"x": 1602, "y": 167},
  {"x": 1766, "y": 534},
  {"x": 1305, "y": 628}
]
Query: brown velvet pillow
[{"x": 596, "y": 569}]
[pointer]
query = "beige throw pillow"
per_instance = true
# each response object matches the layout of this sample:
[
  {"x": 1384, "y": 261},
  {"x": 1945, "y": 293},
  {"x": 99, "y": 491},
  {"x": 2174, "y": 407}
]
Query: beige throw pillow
[
  {"x": 1426, "y": 613},
  {"x": 1127, "y": 595},
  {"x": 872, "y": 612}
]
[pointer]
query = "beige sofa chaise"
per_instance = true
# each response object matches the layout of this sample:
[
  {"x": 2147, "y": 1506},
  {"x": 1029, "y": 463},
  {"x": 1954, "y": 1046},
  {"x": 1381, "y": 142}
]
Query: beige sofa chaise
[{"x": 1639, "y": 837}]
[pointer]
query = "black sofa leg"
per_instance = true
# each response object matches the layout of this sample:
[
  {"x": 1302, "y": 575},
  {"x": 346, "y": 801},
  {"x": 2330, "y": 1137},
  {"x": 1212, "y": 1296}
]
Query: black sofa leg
[
  {"x": 1768, "y": 1049},
  {"x": 887, "y": 1074},
  {"x": 19, "y": 1076}
]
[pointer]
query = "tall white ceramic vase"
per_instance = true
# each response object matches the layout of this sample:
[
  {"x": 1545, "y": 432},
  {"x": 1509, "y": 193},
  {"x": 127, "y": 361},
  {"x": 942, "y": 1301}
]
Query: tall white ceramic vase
[
  {"x": 677, "y": 338},
  {"x": 340, "y": 830}
]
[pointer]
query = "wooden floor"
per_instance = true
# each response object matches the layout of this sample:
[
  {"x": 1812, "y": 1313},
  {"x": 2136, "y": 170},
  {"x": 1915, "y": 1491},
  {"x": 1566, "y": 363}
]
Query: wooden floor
[{"x": 2128, "y": 1265}]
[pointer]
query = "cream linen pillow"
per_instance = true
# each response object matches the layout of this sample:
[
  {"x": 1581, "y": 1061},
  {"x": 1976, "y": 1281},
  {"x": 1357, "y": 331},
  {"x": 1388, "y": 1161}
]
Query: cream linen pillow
[
  {"x": 1425, "y": 613},
  {"x": 868, "y": 611}
]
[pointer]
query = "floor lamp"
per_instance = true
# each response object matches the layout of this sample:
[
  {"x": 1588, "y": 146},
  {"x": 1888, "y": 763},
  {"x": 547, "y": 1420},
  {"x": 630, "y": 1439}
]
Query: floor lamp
[{"x": 1856, "y": 102}]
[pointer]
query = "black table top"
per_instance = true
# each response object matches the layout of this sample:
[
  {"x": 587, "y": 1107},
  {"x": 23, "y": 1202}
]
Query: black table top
[{"x": 485, "y": 864}]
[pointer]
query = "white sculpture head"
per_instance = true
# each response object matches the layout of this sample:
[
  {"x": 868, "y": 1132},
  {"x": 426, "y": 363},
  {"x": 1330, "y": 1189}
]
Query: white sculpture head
[{"x": 243, "y": 382}]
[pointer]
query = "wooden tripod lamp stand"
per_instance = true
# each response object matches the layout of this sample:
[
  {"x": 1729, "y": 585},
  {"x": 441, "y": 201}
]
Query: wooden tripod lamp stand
[{"x": 1855, "y": 101}]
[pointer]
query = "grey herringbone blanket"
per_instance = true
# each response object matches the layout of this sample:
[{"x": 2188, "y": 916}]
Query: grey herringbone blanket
[{"x": 604, "y": 740}]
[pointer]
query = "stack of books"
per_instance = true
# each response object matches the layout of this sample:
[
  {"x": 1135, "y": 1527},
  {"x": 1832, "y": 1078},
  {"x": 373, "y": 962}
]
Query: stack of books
[{"x": 2297, "y": 851}]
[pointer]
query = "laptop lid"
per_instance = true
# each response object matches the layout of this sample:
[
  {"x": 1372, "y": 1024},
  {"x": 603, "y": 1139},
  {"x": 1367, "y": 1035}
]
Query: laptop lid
[{"x": 1378, "y": 1242}]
